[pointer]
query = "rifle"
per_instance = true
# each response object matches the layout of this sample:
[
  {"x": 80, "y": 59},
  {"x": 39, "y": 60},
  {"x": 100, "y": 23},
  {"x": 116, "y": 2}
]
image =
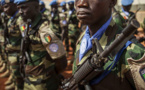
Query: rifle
[
  {"x": 93, "y": 66},
  {"x": 24, "y": 57},
  {"x": 133, "y": 16}
]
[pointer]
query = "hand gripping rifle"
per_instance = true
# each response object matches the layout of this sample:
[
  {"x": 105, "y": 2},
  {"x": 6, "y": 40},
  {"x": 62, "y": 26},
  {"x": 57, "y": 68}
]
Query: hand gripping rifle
[
  {"x": 93, "y": 65},
  {"x": 24, "y": 57}
]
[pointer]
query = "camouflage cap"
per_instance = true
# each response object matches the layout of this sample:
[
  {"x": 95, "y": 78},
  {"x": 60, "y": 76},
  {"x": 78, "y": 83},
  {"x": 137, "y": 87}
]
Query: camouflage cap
[
  {"x": 23, "y": 1},
  {"x": 3, "y": 2}
]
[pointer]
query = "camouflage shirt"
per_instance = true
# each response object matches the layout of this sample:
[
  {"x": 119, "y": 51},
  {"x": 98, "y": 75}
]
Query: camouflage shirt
[
  {"x": 45, "y": 46},
  {"x": 119, "y": 78},
  {"x": 14, "y": 34},
  {"x": 72, "y": 25}
]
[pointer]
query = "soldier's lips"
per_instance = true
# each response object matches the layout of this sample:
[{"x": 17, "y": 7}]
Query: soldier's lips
[{"x": 83, "y": 15}]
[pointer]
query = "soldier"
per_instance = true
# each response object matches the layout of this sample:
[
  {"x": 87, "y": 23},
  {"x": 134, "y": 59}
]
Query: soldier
[
  {"x": 43, "y": 10},
  {"x": 13, "y": 40},
  {"x": 63, "y": 6},
  {"x": 140, "y": 35},
  {"x": 118, "y": 18},
  {"x": 73, "y": 30},
  {"x": 125, "y": 10},
  {"x": 43, "y": 57},
  {"x": 64, "y": 25},
  {"x": 54, "y": 18},
  {"x": 97, "y": 15}
]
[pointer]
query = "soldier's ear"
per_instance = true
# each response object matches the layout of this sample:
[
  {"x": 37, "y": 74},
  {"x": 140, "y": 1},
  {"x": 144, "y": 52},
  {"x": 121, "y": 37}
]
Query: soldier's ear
[{"x": 113, "y": 3}]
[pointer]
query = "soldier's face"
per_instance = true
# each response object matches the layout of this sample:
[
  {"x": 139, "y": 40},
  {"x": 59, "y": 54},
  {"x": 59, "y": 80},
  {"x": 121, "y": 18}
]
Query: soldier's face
[
  {"x": 27, "y": 10},
  {"x": 93, "y": 11},
  {"x": 127, "y": 8},
  {"x": 9, "y": 8},
  {"x": 54, "y": 8}
]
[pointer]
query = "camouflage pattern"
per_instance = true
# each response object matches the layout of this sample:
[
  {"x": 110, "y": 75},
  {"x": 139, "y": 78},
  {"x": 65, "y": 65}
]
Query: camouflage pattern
[
  {"x": 40, "y": 72},
  {"x": 73, "y": 30},
  {"x": 64, "y": 27},
  {"x": 143, "y": 25},
  {"x": 46, "y": 13},
  {"x": 13, "y": 49},
  {"x": 125, "y": 16},
  {"x": 120, "y": 76},
  {"x": 118, "y": 19},
  {"x": 54, "y": 24}
]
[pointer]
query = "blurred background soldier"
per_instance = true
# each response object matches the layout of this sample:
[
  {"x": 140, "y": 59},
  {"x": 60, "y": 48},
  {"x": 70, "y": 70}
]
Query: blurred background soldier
[
  {"x": 43, "y": 55},
  {"x": 118, "y": 18},
  {"x": 125, "y": 10},
  {"x": 64, "y": 25},
  {"x": 54, "y": 18},
  {"x": 73, "y": 30},
  {"x": 3, "y": 63},
  {"x": 140, "y": 35},
  {"x": 45, "y": 12},
  {"x": 12, "y": 37}
]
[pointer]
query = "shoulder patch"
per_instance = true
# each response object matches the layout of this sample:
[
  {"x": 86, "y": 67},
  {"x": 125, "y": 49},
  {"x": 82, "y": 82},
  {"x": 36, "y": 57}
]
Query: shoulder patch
[
  {"x": 47, "y": 38},
  {"x": 53, "y": 47}
]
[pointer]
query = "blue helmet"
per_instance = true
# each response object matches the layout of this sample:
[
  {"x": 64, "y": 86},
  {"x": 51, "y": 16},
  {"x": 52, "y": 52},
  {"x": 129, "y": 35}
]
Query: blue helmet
[
  {"x": 62, "y": 3},
  {"x": 126, "y": 2},
  {"x": 70, "y": 2},
  {"x": 41, "y": 2},
  {"x": 23, "y": 1},
  {"x": 54, "y": 2},
  {"x": 6, "y": 1}
]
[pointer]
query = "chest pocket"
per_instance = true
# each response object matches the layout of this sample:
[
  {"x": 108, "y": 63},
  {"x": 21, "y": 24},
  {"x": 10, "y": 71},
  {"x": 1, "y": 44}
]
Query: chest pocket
[
  {"x": 14, "y": 31},
  {"x": 36, "y": 43}
]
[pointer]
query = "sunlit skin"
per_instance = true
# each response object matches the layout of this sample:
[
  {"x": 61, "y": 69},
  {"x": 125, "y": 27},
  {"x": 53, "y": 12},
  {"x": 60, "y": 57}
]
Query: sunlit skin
[
  {"x": 10, "y": 9},
  {"x": 94, "y": 13},
  {"x": 28, "y": 10}
]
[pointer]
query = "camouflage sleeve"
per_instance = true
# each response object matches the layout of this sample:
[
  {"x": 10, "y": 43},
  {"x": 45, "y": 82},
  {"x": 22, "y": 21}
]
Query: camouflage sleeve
[
  {"x": 134, "y": 51},
  {"x": 51, "y": 42}
]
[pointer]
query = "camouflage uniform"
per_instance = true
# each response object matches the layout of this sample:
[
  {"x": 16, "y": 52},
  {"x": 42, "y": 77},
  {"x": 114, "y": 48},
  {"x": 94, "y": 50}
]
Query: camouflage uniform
[
  {"x": 143, "y": 25},
  {"x": 125, "y": 16},
  {"x": 44, "y": 48},
  {"x": 118, "y": 19},
  {"x": 73, "y": 30},
  {"x": 64, "y": 27},
  {"x": 45, "y": 12},
  {"x": 120, "y": 75},
  {"x": 13, "y": 49},
  {"x": 54, "y": 23}
]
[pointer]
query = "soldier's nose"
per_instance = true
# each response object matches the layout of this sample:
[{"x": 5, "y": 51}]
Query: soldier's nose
[{"x": 82, "y": 3}]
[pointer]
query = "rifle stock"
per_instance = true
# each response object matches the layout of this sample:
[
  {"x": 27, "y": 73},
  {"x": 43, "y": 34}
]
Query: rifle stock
[{"x": 93, "y": 65}]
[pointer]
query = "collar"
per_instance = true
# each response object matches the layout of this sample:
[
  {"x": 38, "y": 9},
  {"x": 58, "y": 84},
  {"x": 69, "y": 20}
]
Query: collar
[
  {"x": 125, "y": 12},
  {"x": 100, "y": 31},
  {"x": 16, "y": 14},
  {"x": 36, "y": 20},
  {"x": 43, "y": 10}
]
